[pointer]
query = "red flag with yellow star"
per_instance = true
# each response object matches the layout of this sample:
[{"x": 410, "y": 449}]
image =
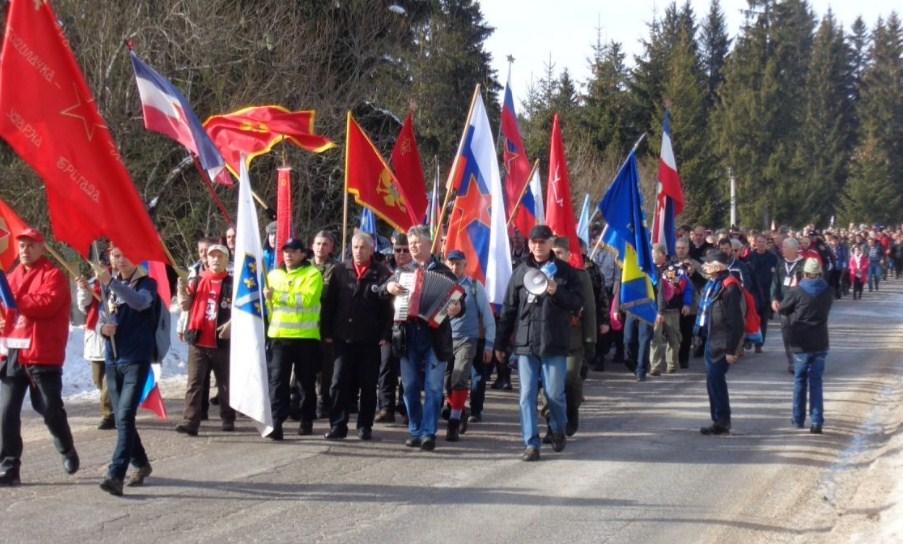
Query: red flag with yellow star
[
  {"x": 48, "y": 116},
  {"x": 10, "y": 227},
  {"x": 255, "y": 130},
  {"x": 371, "y": 181}
]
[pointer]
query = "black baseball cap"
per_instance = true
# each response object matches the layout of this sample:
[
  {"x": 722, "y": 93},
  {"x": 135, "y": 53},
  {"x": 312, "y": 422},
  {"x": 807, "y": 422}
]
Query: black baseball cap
[
  {"x": 293, "y": 243},
  {"x": 541, "y": 232}
]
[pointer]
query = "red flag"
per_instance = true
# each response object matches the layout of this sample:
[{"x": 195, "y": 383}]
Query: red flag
[
  {"x": 559, "y": 210},
  {"x": 10, "y": 227},
  {"x": 369, "y": 179},
  {"x": 255, "y": 130},
  {"x": 48, "y": 116},
  {"x": 516, "y": 163},
  {"x": 405, "y": 161},
  {"x": 157, "y": 270},
  {"x": 283, "y": 210}
]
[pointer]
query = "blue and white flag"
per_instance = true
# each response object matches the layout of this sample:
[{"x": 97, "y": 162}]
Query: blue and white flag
[{"x": 248, "y": 377}]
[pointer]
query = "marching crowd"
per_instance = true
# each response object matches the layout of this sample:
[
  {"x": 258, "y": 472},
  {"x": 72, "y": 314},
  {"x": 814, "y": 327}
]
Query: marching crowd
[{"x": 335, "y": 350}]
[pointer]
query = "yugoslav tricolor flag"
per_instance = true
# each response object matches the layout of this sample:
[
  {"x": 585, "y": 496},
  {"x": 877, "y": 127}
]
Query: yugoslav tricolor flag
[
  {"x": 151, "y": 398},
  {"x": 669, "y": 201},
  {"x": 622, "y": 208},
  {"x": 166, "y": 111},
  {"x": 478, "y": 222},
  {"x": 517, "y": 167},
  {"x": 248, "y": 381}
]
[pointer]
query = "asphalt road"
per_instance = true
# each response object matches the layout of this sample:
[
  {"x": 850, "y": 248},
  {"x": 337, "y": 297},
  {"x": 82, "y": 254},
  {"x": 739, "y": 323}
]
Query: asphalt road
[{"x": 638, "y": 470}]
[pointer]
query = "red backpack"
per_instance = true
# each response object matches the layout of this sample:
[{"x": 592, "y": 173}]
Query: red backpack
[{"x": 752, "y": 322}]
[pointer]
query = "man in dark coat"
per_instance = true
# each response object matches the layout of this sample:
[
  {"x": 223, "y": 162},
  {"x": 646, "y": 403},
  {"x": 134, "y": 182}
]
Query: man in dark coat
[
  {"x": 356, "y": 323},
  {"x": 721, "y": 315},
  {"x": 540, "y": 324}
]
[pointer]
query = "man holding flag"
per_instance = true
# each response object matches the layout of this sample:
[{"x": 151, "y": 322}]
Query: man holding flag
[
  {"x": 129, "y": 325},
  {"x": 35, "y": 325}
]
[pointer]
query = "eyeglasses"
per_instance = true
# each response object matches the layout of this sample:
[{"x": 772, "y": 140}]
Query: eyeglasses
[{"x": 401, "y": 250}]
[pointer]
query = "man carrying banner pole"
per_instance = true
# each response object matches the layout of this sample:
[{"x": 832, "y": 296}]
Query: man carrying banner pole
[{"x": 35, "y": 325}]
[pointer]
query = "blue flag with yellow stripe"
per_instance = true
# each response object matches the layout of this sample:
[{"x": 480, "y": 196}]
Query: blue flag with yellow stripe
[{"x": 622, "y": 208}]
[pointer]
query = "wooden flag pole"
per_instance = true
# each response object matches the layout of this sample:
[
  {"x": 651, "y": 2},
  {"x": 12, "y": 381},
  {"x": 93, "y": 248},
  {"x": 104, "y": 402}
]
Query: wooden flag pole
[
  {"x": 454, "y": 169},
  {"x": 520, "y": 197},
  {"x": 623, "y": 164},
  {"x": 205, "y": 177}
]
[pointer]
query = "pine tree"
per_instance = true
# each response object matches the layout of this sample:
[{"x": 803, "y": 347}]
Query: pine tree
[
  {"x": 607, "y": 101},
  {"x": 715, "y": 45},
  {"x": 827, "y": 135},
  {"x": 871, "y": 195},
  {"x": 685, "y": 89}
]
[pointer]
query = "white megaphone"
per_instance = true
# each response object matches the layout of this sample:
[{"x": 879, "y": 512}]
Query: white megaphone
[{"x": 536, "y": 282}]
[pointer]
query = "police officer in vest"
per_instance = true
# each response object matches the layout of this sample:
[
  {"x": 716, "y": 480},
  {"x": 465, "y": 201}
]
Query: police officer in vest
[{"x": 293, "y": 298}]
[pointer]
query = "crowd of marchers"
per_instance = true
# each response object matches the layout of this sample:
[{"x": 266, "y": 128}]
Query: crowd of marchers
[{"x": 335, "y": 350}]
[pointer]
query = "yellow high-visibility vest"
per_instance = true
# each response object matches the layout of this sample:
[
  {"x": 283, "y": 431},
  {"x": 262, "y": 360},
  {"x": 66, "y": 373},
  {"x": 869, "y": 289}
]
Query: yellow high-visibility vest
[{"x": 295, "y": 303}]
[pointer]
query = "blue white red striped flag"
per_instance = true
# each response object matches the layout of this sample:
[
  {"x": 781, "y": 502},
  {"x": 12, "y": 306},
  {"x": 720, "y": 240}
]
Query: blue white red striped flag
[
  {"x": 517, "y": 167},
  {"x": 168, "y": 112},
  {"x": 669, "y": 201}
]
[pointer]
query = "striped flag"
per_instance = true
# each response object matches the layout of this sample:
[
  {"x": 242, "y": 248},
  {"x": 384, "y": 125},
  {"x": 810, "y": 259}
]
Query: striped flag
[{"x": 669, "y": 201}]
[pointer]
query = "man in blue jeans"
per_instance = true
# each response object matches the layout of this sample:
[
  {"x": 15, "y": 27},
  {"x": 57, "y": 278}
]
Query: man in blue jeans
[
  {"x": 536, "y": 324},
  {"x": 721, "y": 316},
  {"x": 807, "y": 307},
  {"x": 129, "y": 326},
  {"x": 427, "y": 350}
]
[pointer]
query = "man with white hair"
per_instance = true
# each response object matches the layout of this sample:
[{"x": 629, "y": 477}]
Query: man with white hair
[{"x": 788, "y": 274}]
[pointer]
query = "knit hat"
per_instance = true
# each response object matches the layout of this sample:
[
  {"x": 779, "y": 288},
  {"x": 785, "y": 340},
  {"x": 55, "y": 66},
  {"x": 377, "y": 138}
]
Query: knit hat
[{"x": 812, "y": 267}]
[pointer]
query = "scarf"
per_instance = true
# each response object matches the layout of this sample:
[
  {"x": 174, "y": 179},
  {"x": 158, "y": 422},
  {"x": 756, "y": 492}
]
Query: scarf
[
  {"x": 93, "y": 315},
  {"x": 709, "y": 294},
  {"x": 201, "y": 296}
]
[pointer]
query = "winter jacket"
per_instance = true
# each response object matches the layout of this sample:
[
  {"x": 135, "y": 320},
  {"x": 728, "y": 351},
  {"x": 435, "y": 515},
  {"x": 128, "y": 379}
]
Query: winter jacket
[
  {"x": 540, "y": 323},
  {"x": 353, "y": 310},
  {"x": 295, "y": 304},
  {"x": 583, "y": 322},
  {"x": 763, "y": 267},
  {"x": 808, "y": 306},
  {"x": 477, "y": 321},
  {"x": 785, "y": 270},
  {"x": 42, "y": 297},
  {"x": 859, "y": 267},
  {"x": 724, "y": 321}
]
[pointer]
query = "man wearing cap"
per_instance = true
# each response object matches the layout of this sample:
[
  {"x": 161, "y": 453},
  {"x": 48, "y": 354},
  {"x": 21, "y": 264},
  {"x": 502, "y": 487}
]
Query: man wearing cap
[
  {"x": 390, "y": 389},
  {"x": 721, "y": 317},
  {"x": 208, "y": 302},
  {"x": 35, "y": 334},
  {"x": 427, "y": 350},
  {"x": 473, "y": 335},
  {"x": 357, "y": 321},
  {"x": 293, "y": 298},
  {"x": 807, "y": 307},
  {"x": 537, "y": 326}
]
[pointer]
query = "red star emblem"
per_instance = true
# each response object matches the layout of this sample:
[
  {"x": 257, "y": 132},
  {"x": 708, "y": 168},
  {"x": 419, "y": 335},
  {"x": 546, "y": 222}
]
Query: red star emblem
[
  {"x": 509, "y": 157},
  {"x": 82, "y": 110}
]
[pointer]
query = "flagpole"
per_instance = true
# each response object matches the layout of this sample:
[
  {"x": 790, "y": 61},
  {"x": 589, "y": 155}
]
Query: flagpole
[
  {"x": 345, "y": 199},
  {"x": 623, "y": 164},
  {"x": 205, "y": 177},
  {"x": 520, "y": 197},
  {"x": 65, "y": 264},
  {"x": 454, "y": 168}
]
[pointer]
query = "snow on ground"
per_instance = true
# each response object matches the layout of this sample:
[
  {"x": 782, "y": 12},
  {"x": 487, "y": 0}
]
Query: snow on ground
[{"x": 77, "y": 382}]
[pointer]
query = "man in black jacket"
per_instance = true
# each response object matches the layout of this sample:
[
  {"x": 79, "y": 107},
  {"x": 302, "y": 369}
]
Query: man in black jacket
[
  {"x": 540, "y": 325},
  {"x": 807, "y": 307},
  {"x": 721, "y": 316},
  {"x": 788, "y": 274},
  {"x": 356, "y": 322}
]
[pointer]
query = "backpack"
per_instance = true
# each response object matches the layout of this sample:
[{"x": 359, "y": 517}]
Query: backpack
[
  {"x": 163, "y": 326},
  {"x": 752, "y": 323}
]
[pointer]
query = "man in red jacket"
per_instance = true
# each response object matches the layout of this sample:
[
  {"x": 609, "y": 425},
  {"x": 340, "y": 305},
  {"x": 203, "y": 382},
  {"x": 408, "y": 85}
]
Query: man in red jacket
[{"x": 34, "y": 337}]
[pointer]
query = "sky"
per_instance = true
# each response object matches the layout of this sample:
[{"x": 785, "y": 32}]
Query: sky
[{"x": 532, "y": 30}]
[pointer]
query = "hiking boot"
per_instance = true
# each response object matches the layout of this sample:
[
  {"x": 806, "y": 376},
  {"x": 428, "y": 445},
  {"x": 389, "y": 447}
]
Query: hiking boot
[
  {"x": 530, "y": 454},
  {"x": 276, "y": 434},
  {"x": 413, "y": 442},
  {"x": 228, "y": 426},
  {"x": 715, "y": 429},
  {"x": 559, "y": 441},
  {"x": 184, "y": 428},
  {"x": 10, "y": 478},
  {"x": 106, "y": 424},
  {"x": 138, "y": 475},
  {"x": 385, "y": 416},
  {"x": 113, "y": 486},
  {"x": 428, "y": 444},
  {"x": 365, "y": 433},
  {"x": 306, "y": 428}
]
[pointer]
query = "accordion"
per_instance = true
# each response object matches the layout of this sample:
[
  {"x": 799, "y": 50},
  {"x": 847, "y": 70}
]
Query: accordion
[{"x": 427, "y": 296}]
